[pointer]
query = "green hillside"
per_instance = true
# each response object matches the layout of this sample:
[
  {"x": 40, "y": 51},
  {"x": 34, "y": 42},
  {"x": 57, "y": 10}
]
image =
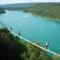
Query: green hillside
[
  {"x": 51, "y": 10},
  {"x": 13, "y": 48}
]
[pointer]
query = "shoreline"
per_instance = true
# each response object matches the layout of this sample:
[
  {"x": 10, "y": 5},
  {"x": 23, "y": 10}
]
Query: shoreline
[{"x": 52, "y": 19}]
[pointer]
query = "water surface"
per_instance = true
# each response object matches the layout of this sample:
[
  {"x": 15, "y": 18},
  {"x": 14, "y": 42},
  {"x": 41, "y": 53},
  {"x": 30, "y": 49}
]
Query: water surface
[{"x": 36, "y": 29}]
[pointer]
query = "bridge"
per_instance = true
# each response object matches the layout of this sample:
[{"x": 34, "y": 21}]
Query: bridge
[{"x": 49, "y": 51}]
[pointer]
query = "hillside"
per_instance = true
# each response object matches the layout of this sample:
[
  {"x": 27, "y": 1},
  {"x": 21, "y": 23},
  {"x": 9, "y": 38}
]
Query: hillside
[
  {"x": 45, "y": 10},
  {"x": 50, "y": 10},
  {"x": 16, "y": 6},
  {"x": 13, "y": 48}
]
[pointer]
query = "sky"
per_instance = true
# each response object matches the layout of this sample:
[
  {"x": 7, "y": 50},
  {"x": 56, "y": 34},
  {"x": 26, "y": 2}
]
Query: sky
[{"x": 25, "y": 1}]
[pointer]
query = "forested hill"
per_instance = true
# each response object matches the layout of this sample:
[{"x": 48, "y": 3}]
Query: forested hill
[
  {"x": 25, "y": 5},
  {"x": 16, "y": 6},
  {"x": 14, "y": 48},
  {"x": 50, "y": 10}
]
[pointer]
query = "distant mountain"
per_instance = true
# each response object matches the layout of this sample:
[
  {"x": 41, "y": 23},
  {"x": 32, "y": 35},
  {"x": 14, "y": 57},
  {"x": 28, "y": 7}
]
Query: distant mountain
[
  {"x": 50, "y": 10},
  {"x": 18, "y": 6}
]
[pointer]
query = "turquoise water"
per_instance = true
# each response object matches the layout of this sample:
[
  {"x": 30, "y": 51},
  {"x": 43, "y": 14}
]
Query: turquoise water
[{"x": 36, "y": 29}]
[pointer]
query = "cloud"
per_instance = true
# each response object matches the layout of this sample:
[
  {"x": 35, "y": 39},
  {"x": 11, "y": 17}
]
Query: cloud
[{"x": 24, "y": 1}]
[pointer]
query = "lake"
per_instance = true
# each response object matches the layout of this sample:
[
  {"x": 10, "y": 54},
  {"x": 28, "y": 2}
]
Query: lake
[{"x": 34, "y": 28}]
